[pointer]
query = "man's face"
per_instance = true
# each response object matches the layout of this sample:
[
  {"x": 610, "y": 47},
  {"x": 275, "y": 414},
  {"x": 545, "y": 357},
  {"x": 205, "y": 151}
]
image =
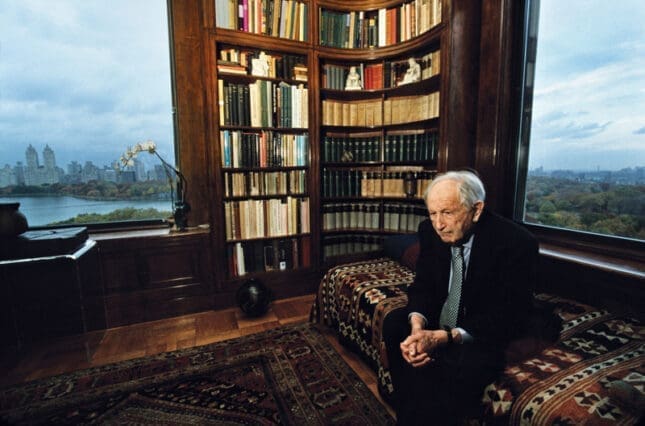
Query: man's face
[{"x": 450, "y": 219}]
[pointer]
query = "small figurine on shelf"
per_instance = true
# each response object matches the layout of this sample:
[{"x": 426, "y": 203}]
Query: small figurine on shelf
[
  {"x": 353, "y": 81},
  {"x": 413, "y": 74},
  {"x": 260, "y": 65}
]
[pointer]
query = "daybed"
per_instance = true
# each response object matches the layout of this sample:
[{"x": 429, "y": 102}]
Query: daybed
[{"x": 593, "y": 373}]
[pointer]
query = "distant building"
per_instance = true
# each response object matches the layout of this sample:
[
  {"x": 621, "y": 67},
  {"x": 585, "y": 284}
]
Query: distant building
[
  {"x": 159, "y": 173},
  {"x": 37, "y": 175},
  {"x": 109, "y": 174},
  {"x": 19, "y": 173},
  {"x": 139, "y": 170},
  {"x": 7, "y": 177},
  {"x": 126, "y": 176},
  {"x": 90, "y": 172},
  {"x": 74, "y": 172}
]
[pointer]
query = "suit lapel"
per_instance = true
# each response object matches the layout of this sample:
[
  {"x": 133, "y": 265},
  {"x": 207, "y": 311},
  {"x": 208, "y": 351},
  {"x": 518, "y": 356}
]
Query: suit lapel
[{"x": 480, "y": 251}]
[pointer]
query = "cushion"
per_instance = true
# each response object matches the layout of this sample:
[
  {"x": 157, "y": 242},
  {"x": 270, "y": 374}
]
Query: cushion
[
  {"x": 403, "y": 248},
  {"x": 410, "y": 256}
]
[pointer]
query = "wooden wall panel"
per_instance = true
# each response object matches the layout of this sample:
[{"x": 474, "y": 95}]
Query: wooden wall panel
[
  {"x": 461, "y": 62},
  {"x": 499, "y": 89},
  {"x": 153, "y": 277},
  {"x": 189, "y": 92}
]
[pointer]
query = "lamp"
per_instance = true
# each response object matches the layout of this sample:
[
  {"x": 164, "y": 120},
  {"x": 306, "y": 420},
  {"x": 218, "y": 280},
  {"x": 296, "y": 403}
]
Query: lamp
[{"x": 180, "y": 206}]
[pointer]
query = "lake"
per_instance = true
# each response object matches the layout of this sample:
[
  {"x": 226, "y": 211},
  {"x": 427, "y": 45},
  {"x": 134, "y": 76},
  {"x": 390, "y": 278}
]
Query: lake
[{"x": 45, "y": 210}]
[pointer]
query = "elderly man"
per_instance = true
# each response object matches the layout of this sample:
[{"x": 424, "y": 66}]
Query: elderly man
[{"x": 471, "y": 296}]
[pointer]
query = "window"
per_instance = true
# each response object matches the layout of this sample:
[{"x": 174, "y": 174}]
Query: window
[
  {"x": 583, "y": 128},
  {"x": 81, "y": 81}
]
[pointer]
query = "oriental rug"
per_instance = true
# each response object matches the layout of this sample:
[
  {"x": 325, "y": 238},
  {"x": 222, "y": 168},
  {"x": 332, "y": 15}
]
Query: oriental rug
[{"x": 290, "y": 375}]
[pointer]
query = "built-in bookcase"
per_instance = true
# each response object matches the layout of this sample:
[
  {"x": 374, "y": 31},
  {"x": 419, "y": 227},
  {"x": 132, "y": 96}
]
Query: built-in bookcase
[
  {"x": 264, "y": 143},
  {"x": 326, "y": 121},
  {"x": 379, "y": 123}
]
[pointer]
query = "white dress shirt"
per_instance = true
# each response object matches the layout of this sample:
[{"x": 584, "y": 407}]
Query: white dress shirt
[{"x": 467, "y": 246}]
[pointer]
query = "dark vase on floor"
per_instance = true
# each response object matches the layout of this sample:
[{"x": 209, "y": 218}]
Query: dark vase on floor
[
  {"x": 12, "y": 221},
  {"x": 253, "y": 297}
]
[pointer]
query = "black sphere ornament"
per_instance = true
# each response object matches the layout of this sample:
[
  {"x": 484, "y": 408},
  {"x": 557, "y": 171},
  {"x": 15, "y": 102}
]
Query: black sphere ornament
[{"x": 253, "y": 298}]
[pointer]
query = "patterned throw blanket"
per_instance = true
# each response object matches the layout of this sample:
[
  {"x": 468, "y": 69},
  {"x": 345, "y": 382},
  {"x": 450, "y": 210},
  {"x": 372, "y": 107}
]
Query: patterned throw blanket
[{"x": 594, "y": 373}]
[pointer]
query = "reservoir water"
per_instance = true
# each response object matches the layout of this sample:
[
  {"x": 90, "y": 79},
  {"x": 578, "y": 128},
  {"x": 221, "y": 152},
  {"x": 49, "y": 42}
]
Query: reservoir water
[{"x": 45, "y": 210}]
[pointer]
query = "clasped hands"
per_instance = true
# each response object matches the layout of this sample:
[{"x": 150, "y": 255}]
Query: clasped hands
[{"x": 418, "y": 347}]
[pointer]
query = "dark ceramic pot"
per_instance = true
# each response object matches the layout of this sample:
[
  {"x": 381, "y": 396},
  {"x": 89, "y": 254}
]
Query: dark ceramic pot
[{"x": 12, "y": 221}]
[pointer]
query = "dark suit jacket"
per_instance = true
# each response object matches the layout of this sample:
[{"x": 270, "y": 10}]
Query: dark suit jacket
[{"x": 496, "y": 295}]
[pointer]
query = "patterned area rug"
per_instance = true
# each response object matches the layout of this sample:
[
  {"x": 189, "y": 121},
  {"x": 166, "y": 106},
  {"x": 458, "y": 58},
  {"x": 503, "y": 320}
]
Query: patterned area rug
[{"x": 290, "y": 375}]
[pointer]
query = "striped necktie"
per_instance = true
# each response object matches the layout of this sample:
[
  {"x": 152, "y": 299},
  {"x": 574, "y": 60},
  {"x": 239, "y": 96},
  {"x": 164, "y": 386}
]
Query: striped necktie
[{"x": 450, "y": 309}]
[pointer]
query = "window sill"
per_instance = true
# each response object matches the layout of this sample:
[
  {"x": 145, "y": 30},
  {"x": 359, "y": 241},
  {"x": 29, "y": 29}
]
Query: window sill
[
  {"x": 625, "y": 267},
  {"x": 164, "y": 232}
]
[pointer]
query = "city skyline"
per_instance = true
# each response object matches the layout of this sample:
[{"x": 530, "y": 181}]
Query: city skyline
[{"x": 34, "y": 172}]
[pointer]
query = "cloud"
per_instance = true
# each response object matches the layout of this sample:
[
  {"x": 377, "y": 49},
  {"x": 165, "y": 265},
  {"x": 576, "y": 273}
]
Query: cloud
[
  {"x": 640, "y": 131},
  {"x": 88, "y": 78},
  {"x": 559, "y": 126}
]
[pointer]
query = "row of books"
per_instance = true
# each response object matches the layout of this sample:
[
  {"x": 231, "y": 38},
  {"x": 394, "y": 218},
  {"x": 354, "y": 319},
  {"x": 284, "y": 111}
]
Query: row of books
[
  {"x": 249, "y": 184},
  {"x": 362, "y": 216},
  {"x": 402, "y": 217},
  {"x": 408, "y": 109},
  {"x": 272, "y": 255},
  {"x": 378, "y": 28},
  {"x": 277, "y": 18},
  {"x": 361, "y": 113},
  {"x": 411, "y": 146},
  {"x": 263, "y": 104},
  {"x": 351, "y": 148},
  {"x": 399, "y": 147},
  {"x": 371, "y": 113},
  {"x": 341, "y": 245},
  {"x": 236, "y": 61},
  {"x": 381, "y": 75},
  {"x": 338, "y": 216},
  {"x": 372, "y": 184},
  {"x": 263, "y": 149},
  {"x": 266, "y": 218}
]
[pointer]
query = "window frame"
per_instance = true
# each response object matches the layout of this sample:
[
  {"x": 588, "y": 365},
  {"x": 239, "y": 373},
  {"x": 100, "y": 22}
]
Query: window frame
[
  {"x": 612, "y": 247},
  {"x": 151, "y": 223}
]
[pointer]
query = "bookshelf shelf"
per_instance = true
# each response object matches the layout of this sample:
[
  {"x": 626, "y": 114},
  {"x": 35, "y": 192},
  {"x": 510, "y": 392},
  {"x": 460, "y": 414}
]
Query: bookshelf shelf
[{"x": 262, "y": 239}]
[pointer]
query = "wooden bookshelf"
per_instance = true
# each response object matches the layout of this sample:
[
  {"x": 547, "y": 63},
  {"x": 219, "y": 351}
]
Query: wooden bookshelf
[
  {"x": 380, "y": 120},
  {"x": 263, "y": 139},
  {"x": 359, "y": 151}
]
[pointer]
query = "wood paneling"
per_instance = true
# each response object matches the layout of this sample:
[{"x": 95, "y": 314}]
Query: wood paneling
[
  {"x": 155, "y": 276},
  {"x": 189, "y": 69},
  {"x": 499, "y": 86},
  {"x": 460, "y": 60}
]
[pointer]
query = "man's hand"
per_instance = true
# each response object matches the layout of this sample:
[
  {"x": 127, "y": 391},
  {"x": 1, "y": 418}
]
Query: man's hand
[{"x": 418, "y": 347}]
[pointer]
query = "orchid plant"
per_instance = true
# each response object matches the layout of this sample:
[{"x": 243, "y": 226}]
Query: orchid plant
[{"x": 180, "y": 206}]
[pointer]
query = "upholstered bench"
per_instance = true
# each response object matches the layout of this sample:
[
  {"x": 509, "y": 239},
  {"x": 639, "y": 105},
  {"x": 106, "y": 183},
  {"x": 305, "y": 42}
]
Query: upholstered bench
[{"x": 593, "y": 373}]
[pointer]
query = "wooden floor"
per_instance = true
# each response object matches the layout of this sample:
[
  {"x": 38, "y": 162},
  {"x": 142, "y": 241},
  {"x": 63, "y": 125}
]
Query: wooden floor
[{"x": 118, "y": 344}]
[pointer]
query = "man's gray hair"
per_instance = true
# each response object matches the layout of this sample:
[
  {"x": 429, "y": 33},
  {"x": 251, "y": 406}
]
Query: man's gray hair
[{"x": 471, "y": 188}]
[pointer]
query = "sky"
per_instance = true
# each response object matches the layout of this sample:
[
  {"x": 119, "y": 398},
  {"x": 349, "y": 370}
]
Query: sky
[
  {"x": 91, "y": 77},
  {"x": 589, "y": 99},
  {"x": 86, "y": 77}
]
